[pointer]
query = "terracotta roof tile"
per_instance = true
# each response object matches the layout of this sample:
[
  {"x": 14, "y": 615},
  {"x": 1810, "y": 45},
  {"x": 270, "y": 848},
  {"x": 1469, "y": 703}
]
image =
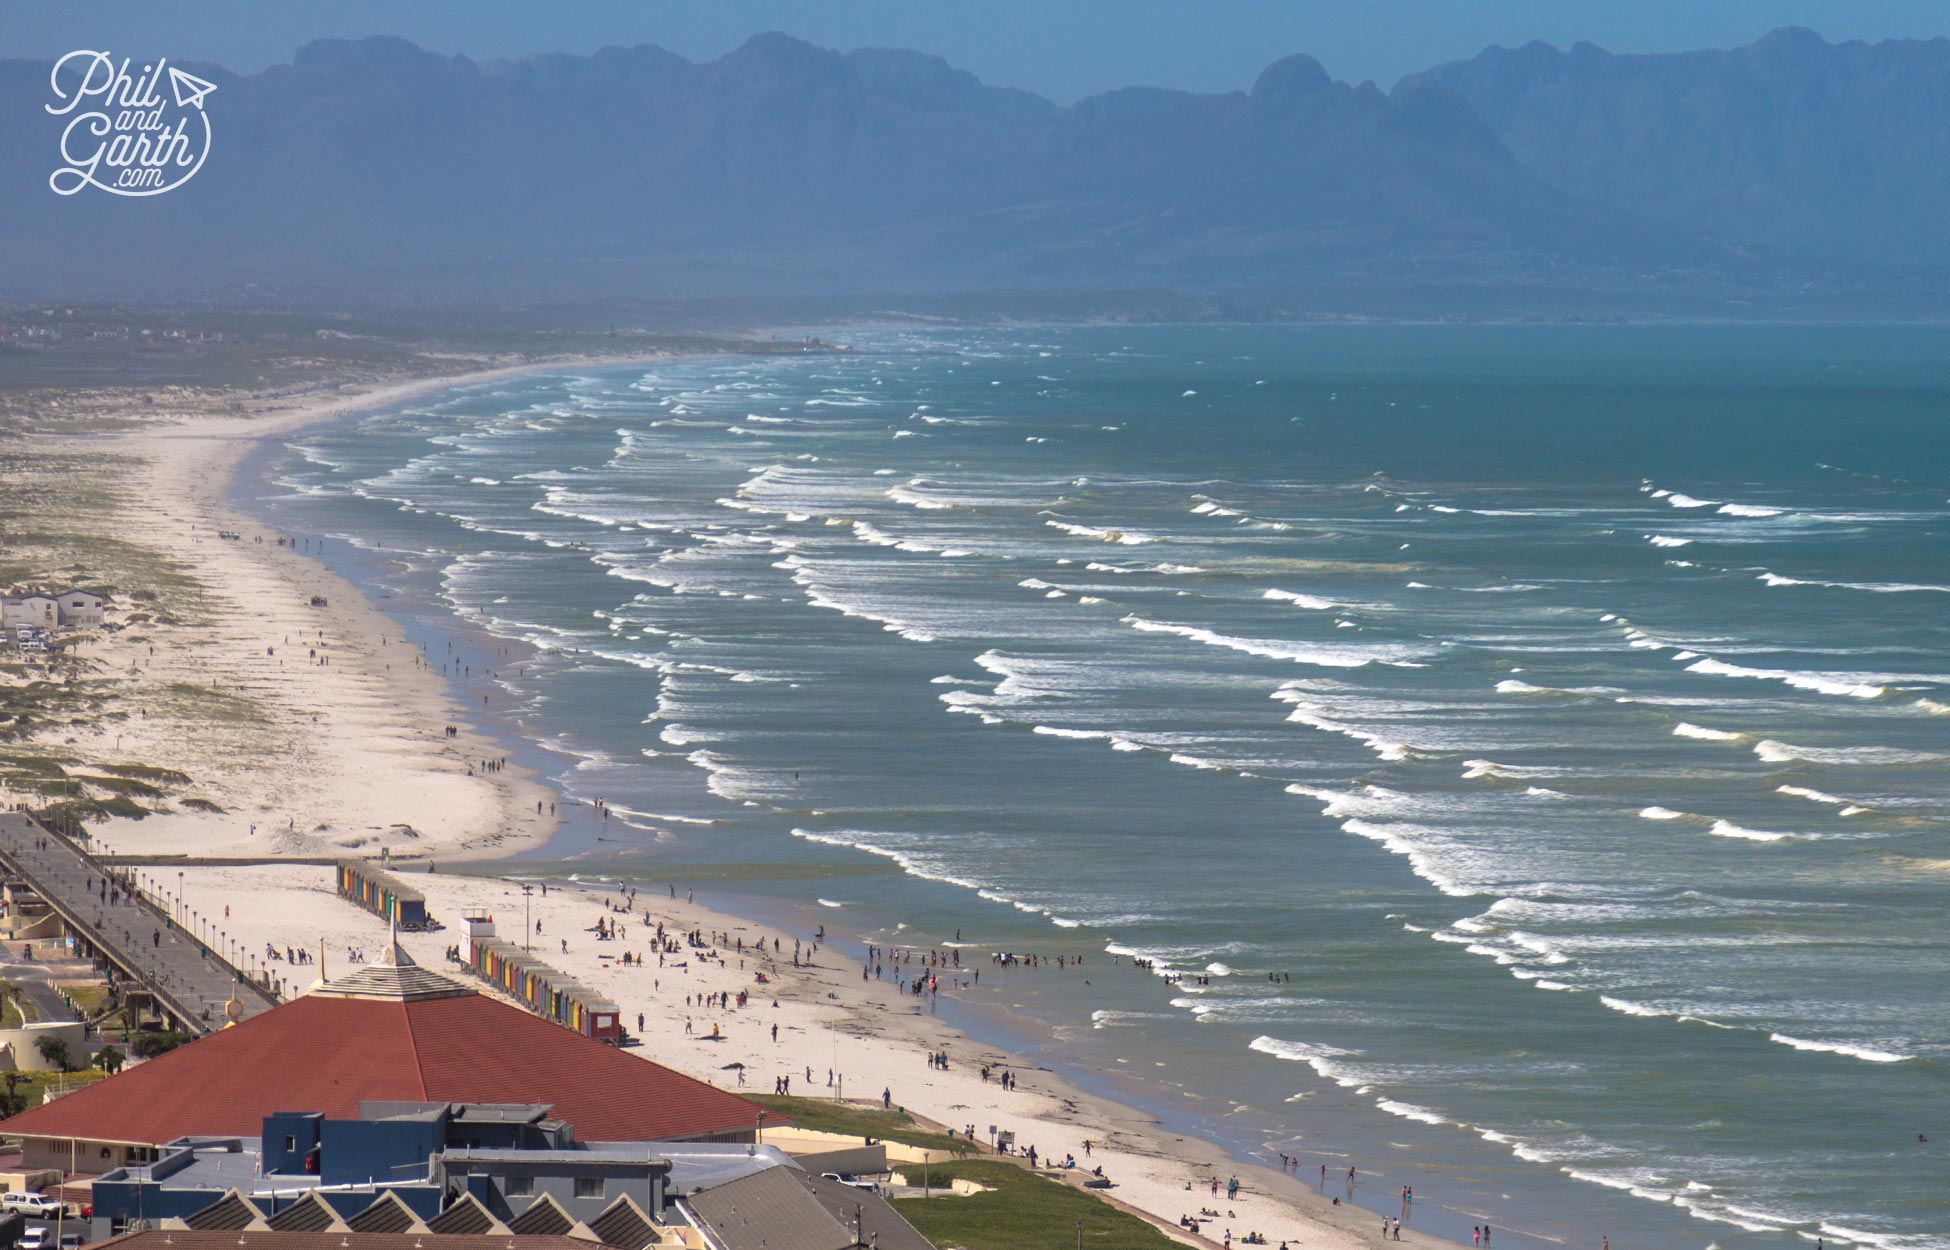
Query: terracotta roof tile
[{"x": 327, "y": 1054}]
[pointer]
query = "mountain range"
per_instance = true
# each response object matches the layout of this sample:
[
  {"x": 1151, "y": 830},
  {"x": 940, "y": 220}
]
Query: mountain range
[{"x": 784, "y": 168}]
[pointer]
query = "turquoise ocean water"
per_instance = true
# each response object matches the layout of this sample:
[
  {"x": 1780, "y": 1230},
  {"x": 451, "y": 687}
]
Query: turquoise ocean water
[{"x": 1564, "y": 710}]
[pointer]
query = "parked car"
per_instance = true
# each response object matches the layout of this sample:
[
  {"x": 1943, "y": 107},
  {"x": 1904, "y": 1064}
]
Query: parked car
[
  {"x": 848, "y": 1178},
  {"x": 70, "y": 1241},
  {"x": 31, "y": 1205},
  {"x": 35, "y": 1238}
]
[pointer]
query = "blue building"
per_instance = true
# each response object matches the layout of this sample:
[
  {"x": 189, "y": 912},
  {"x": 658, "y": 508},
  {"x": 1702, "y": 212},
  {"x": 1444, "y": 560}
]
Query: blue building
[{"x": 422, "y": 1167}]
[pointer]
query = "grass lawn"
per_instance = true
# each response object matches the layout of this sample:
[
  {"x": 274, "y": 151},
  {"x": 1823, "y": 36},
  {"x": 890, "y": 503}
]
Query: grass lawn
[
  {"x": 1023, "y": 1211},
  {"x": 29, "y": 1088},
  {"x": 15, "y": 1011},
  {"x": 87, "y": 996},
  {"x": 825, "y": 1116}
]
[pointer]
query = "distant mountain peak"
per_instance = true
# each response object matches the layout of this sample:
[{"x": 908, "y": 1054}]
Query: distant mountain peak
[
  {"x": 374, "y": 52},
  {"x": 1291, "y": 77},
  {"x": 778, "y": 61},
  {"x": 1790, "y": 141}
]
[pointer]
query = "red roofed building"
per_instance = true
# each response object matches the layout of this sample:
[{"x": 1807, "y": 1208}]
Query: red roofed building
[{"x": 389, "y": 1032}]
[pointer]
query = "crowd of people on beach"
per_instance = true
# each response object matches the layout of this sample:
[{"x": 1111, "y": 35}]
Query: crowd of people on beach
[{"x": 918, "y": 970}]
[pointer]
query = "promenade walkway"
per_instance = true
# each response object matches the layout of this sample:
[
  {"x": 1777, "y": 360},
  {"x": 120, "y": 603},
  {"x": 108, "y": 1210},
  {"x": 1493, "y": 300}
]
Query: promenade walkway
[{"x": 139, "y": 941}]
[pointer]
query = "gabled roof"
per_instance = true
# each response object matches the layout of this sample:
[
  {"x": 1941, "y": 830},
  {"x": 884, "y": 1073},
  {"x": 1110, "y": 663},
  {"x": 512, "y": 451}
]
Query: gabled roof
[
  {"x": 183, "y": 1240},
  {"x": 468, "y": 1216},
  {"x": 328, "y": 1053},
  {"x": 624, "y": 1224},
  {"x": 546, "y": 1218},
  {"x": 785, "y": 1209},
  {"x": 310, "y": 1214},
  {"x": 231, "y": 1212},
  {"x": 387, "y": 1214}
]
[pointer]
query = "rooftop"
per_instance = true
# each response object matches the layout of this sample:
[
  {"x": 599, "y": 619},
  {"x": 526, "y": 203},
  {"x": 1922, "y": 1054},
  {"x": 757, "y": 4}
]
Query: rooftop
[
  {"x": 232, "y": 1239},
  {"x": 786, "y": 1209},
  {"x": 391, "y": 1032}
]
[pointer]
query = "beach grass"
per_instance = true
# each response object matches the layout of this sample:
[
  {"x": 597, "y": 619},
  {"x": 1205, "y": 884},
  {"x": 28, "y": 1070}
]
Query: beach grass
[
  {"x": 87, "y": 996},
  {"x": 821, "y": 1115},
  {"x": 1023, "y": 1211}
]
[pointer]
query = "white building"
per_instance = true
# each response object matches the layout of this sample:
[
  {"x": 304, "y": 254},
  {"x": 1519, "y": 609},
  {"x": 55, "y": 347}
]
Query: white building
[
  {"x": 80, "y": 609},
  {"x": 35, "y": 611}
]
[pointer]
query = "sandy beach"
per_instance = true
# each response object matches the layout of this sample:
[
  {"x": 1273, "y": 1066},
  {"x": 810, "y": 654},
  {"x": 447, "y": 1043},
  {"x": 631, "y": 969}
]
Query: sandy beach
[
  {"x": 331, "y": 738},
  {"x": 865, "y": 1033}
]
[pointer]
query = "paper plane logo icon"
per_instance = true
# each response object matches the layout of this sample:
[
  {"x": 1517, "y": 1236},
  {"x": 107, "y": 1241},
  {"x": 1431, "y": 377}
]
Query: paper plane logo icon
[{"x": 189, "y": 89}]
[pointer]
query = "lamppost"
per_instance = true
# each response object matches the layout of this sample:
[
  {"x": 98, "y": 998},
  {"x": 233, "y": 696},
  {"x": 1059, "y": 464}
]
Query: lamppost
[
  {"x": 179, "y": 896},
  {"x": 526, "y": 928}
]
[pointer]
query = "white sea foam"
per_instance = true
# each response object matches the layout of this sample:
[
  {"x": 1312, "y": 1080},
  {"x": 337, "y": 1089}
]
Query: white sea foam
[
  {"x": 1727, "y": 829},
  {"x": 1321, "y": 1058},
  {"x": 1307, "y": 712},
  {"x": 1786, "y": 753},
  {"x": 1298, "y": 600},
  {"x": 1661, "y": 813},
  {"x": 1662, "y": 540},
  {"x": 1404, "y": 655},
  {"x": 1678, "y": 500},
  {"x": 1400, "y": 839},
  {"x": 1101, "y": 534},
  {"x": 1853, "y": 1050},
  {"x": 903, "y": 494},
  {"x": 1849, "y": 685},
  {"x": 1685, "y": 729},
  {"x": 1410, "y": 1111},
  {"x": 1750, "y": 510},
  {"x": 1813, "y": 796},
  {"x": 1878, "y": 588}
]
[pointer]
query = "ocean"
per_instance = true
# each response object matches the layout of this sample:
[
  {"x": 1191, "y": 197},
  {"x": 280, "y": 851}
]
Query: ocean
[{"x": 1519, "y": 751}]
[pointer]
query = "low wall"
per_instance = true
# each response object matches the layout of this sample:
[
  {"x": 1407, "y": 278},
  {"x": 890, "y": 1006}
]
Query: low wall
[{"x": 27, "y": 1055}]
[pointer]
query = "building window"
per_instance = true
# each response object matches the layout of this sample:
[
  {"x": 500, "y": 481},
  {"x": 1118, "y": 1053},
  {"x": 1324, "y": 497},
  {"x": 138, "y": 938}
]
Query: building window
[
  {"x": 521, "y": 1186},
  {"x": 589, "y": 1186},
  {"x": 290, "y": 1144}
]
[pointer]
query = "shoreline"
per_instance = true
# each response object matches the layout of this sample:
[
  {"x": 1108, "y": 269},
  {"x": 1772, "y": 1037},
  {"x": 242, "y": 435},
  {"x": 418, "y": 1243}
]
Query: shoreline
[{"x": 867, "y": 1031}]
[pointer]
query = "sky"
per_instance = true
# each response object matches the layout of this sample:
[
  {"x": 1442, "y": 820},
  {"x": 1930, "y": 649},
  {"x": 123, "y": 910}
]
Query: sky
[{"x": 1063, "y": 49}]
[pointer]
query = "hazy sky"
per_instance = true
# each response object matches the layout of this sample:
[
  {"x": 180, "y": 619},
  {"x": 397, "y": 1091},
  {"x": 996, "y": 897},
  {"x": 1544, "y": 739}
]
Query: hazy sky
[{"x": 1061, "y": 48}]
